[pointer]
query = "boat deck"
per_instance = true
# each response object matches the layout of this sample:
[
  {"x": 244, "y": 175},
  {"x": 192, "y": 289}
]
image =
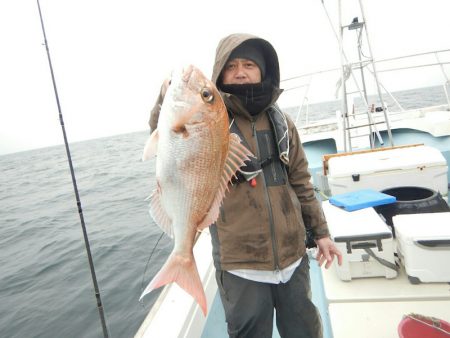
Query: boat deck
[{"x": 376, "y": 305}]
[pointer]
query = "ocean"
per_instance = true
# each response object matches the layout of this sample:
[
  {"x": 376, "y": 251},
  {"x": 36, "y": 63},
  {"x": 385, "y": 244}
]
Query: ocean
[{"x": 45, "y": 283}]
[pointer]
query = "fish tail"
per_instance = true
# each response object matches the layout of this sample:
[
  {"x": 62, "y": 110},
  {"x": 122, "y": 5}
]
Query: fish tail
[{"x": 183, "y": 271}]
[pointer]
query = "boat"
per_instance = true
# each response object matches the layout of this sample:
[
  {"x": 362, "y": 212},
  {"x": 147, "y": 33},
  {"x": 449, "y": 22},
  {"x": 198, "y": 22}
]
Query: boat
[{"x": 351, "y": 303}]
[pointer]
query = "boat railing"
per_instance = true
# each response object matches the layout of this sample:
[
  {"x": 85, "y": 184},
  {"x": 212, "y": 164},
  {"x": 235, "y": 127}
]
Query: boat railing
[{"x": 302, "y": 88}]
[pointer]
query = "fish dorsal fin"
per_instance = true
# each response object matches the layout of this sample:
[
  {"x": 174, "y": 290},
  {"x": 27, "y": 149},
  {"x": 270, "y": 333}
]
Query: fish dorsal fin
[
  {"x": 151, "y": 146},
  {"x": 158, "y": 213},
  {"x": 237, "y": 155}
]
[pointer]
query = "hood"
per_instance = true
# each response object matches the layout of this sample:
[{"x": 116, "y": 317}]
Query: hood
[{"x": 229, "y": 43}]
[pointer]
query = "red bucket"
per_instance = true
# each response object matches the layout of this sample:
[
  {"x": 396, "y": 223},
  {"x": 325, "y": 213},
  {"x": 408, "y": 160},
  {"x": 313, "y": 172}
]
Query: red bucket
[{"x": 418, "y": 326}]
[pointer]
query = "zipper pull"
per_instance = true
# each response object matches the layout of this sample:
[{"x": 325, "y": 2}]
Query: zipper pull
[{"x": 253, "y": 129}]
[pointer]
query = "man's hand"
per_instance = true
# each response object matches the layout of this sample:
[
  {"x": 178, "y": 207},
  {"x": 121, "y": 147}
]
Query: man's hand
[{"x": 327, "y": 252}]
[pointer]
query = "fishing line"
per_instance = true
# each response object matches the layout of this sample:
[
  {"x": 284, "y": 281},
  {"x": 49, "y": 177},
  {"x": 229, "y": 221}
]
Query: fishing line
[
  {"x": 75, "y": 188},
  {"x": 148, "y": 261}
]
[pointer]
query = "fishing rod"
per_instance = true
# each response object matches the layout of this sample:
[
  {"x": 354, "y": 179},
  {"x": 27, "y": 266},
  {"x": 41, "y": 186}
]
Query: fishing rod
[{"x": 75, "y": 187}]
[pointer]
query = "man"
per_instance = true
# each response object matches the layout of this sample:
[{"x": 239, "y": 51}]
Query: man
[{"x": 259, "y": 239}]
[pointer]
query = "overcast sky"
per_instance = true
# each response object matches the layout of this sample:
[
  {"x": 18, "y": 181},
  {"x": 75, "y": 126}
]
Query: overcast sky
[{"x": 110, "y": 56}]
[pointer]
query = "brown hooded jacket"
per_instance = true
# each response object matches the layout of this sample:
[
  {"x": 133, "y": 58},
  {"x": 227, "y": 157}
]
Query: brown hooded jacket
[{"x": 262, "y": 227}]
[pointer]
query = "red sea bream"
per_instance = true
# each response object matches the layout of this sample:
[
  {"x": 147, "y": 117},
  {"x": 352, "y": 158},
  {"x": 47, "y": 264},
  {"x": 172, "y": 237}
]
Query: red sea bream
[{"x": 196, "y": 156}]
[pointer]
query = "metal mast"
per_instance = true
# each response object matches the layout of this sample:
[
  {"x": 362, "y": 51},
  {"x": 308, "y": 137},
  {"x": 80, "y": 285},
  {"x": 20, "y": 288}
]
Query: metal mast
[{"x": 368, "y": 125}]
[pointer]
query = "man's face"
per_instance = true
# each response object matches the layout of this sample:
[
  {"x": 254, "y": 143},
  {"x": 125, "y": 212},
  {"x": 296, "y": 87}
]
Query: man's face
[{"x": 241, "y": 71}]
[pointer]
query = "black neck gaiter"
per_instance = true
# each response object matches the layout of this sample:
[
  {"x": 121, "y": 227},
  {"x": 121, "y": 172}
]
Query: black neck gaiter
[{"x": 254, "y": 96}]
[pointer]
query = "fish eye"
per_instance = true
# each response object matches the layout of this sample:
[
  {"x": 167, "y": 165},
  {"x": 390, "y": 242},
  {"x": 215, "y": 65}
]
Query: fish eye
[{"x": 207, "y": 95}]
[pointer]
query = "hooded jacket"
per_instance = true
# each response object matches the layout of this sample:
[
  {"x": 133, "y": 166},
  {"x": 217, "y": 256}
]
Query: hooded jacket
[{"x": 262, "y": 226}]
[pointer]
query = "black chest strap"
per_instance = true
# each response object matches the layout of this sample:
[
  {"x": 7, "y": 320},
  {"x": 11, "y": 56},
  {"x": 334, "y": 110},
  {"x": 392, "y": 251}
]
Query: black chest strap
[{"x": 279, "y": 127}]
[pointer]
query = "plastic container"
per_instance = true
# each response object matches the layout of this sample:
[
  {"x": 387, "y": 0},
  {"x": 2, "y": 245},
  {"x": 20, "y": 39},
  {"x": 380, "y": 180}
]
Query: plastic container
[
  {"x": 420, "y": 165},
  {"x": 423, "y": 244},
  {"x": 356, "y": 232}
]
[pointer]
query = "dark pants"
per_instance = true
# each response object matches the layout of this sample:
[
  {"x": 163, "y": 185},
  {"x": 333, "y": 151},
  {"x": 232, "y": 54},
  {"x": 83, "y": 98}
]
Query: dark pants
[{"x": 249, "y": 306}]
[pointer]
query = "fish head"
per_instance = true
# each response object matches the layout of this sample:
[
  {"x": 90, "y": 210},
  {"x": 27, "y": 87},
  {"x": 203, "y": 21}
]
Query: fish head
[{"x": 192, "y": 99}]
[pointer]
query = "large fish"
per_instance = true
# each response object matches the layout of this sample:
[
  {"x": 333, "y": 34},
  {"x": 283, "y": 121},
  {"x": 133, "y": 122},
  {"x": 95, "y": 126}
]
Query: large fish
[{"x": 196, "y": 156}]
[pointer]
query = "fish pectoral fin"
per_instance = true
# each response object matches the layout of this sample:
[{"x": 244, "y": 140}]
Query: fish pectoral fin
[
  {"x": 151, "y": 146},
  {"x": 237, "y": 155},
  {"x": 158, "y": 213},
  {"x": 183, "y": 271}
]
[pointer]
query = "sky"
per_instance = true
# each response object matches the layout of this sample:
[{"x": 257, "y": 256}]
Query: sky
[{"x": 110, "y": 56}]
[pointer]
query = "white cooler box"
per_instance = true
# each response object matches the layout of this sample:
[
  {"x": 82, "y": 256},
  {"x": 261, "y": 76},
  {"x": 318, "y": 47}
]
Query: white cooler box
[
  {"x": 423, "y": 243},
  {"x": 354, "y": 232},
  {"x": 420, "y": 166}
]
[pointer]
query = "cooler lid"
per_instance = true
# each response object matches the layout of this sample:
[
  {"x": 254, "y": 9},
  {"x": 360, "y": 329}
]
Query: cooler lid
[
  {"x": 386, "y": 160},
  {"x": 425, "y": 227},
  {"x": 356, "y": 225},
  {"x": 361, "y": 199}
]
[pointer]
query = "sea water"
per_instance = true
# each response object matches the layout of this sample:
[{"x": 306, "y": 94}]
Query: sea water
[{"x": 46, "y": 288}]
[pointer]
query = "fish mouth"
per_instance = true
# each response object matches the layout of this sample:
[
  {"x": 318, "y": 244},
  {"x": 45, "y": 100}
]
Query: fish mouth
[
  {"x": 182, "y": 73},
  {"x": 186, "y": 73},
  {"x": 180, "y": 85}
]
